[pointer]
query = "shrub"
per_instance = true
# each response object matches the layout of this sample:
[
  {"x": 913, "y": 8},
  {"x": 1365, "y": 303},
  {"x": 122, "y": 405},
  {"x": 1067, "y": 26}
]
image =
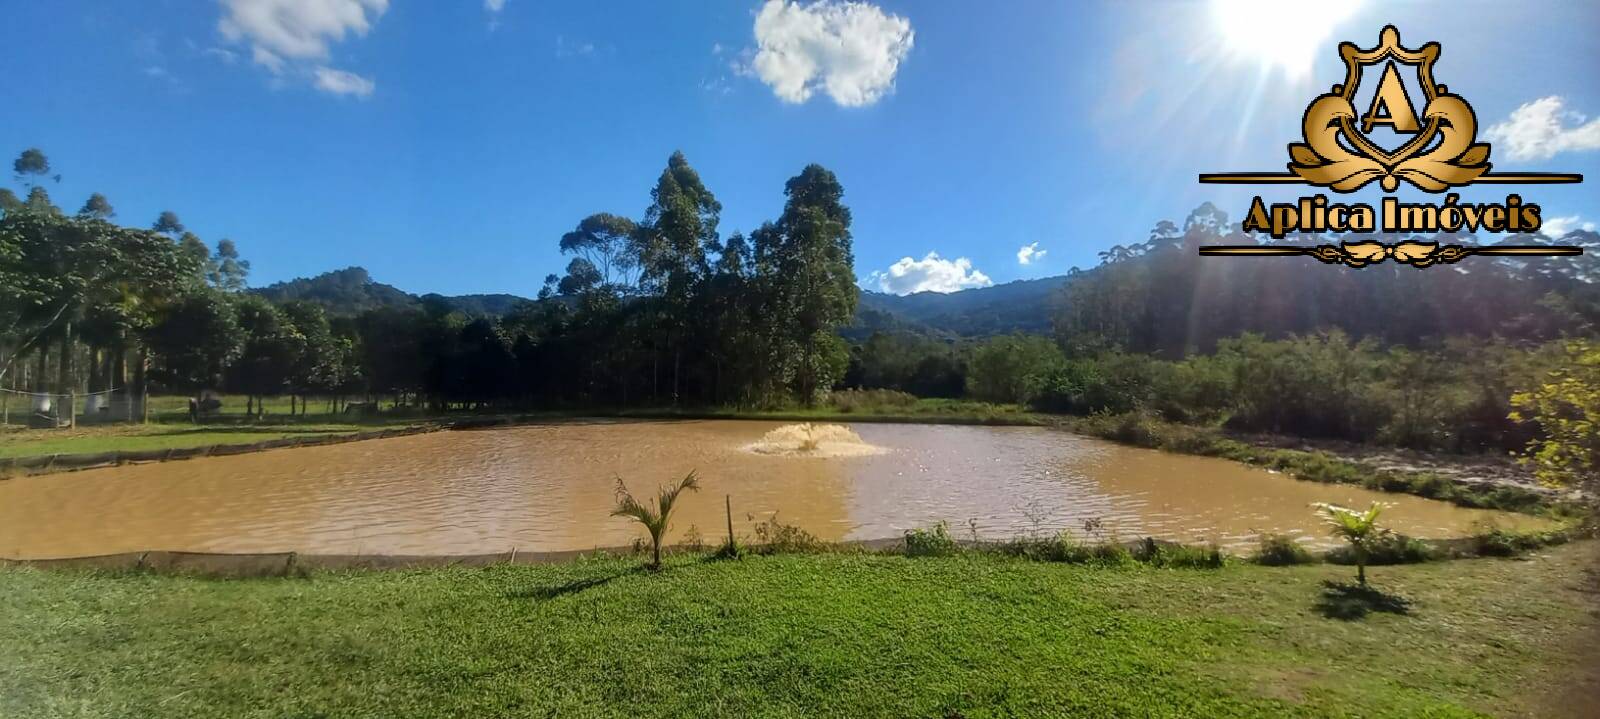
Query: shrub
[
  {"x": 1565, "y": 404},
  {"x": 1389, "y": 549},
  {"x": 932, "y": 542},
  {"x": 1060, "y": 548},
  {"x": 1280, "y": 550},
  {"x": 1499, "y": 543},
  {"x": 870, "y": 400},
  {"x": 1006, "y": 368},
  {"x": 776, "y": 537},
  {"x": 1178, "y": 556}
]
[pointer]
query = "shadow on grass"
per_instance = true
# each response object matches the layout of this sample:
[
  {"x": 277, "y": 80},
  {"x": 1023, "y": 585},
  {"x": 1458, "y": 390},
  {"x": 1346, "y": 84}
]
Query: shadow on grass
[
  {"x": 545, "y": 592},
  {"x": 176, "y": 431},
  {"x": 1342, "y": 600}
]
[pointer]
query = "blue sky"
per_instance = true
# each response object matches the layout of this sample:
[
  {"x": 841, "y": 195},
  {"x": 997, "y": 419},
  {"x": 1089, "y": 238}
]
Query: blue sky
[{"x": 447, "y": 146}]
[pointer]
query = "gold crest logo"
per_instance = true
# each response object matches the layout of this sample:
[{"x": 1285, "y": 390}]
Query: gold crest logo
[
  {"x": 1455, "y": 158},
  {"x": 1367, "y": 128}
]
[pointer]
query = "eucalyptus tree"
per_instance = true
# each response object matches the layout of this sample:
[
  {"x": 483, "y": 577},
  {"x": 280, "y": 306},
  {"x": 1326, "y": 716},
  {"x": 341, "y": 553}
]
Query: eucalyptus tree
[
  {"x": 30, "y": 166},
  {"x": 167, "y": 223},
  {"x": 97, "y": 207},
  {"x": 609, "y": 244},
  {"x": 226, "y": 271},
  {"x": 680, "y": 224},
  {"x": 814, "y": 265}
]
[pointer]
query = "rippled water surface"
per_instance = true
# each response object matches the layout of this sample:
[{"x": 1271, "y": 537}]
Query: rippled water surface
[{"x": 550, "y": 488}]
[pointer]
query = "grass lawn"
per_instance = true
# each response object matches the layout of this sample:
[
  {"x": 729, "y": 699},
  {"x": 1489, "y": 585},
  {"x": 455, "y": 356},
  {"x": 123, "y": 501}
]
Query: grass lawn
[
  {"x": 93, "y": 439},
  {"x": 802, "y": 636}
]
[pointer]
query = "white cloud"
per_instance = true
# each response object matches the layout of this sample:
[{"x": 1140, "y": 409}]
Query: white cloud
[
  {"x": 340, "y": 82},
  {"x": 1558, "y": 227},
  {"x": 1540, "y": 129},
  {"x": 1030, "y": 253},
  {"x": 297, "y": 34},
  {"x": 850, "y": 50},
  {"x": 494, "y": 6},
  {"x": 930, "y": 274},
  {"x": 298, "y": 29},
  {"x": 226, "y": 56},
  {"x": 267, "y": 59}
]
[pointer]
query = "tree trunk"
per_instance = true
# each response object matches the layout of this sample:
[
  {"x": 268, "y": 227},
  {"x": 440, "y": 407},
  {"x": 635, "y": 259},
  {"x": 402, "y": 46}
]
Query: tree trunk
[
  {"x": 142, "y": 379},
  {"x": 44, "y": 366},
  {"x": 64, "y": 379},
  {"x": 677, "y": 362}
]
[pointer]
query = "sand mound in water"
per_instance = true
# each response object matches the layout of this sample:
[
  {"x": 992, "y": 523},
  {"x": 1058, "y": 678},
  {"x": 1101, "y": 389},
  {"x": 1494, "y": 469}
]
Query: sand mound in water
[{"x": 813, "y": 440}]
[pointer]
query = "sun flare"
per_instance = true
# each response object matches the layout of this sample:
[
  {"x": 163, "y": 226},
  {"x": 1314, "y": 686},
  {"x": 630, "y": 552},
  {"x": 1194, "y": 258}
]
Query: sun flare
[{"x": 1285, "y": 34}]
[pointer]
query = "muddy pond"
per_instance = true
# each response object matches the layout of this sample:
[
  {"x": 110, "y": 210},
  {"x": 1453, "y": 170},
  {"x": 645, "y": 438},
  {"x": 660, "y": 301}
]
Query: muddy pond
[{"x": 551, "y": 487}]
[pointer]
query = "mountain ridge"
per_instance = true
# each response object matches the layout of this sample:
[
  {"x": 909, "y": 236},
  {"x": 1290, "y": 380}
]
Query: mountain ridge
[{"x": 1016, "y": 306}]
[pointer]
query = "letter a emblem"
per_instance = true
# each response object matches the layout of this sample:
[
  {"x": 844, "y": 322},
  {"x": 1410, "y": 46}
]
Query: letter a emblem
[{"x": 1390, "y": 105}]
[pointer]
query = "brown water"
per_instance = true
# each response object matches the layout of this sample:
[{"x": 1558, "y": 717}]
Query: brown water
[{"x": 550, "y": 488}]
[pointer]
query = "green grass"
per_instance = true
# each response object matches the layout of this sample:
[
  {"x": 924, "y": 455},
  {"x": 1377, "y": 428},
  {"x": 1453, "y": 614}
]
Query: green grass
[
  {"x": 136, "y": 437},
  {"x": 171, "y": 428},
  {"x": 826, "y": 635}
]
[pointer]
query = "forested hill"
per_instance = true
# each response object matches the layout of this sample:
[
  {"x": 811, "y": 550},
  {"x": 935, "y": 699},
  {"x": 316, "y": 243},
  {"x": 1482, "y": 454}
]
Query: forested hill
[
  {"x": 351, "y": 291},
  {"x": 1024, "y": 305},
  {"x": 1020, "y": 306}
]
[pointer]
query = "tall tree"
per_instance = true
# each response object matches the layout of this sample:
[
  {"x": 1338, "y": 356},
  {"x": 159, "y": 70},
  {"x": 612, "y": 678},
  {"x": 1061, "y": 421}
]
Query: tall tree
[
  {"x": 30, "y": 166},
  {"x": 167, "y": 223},
  {"x": 680, "y": 224},
  {"x": 607, "y": 243},
  {"x": 97, "y": 207},
  {"x": 228, "y": 272},
  {"x": 814, "y": 262}
]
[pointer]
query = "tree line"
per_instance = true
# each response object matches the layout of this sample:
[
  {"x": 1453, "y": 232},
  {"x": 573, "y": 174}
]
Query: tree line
[{"x": 658, "y": 309}]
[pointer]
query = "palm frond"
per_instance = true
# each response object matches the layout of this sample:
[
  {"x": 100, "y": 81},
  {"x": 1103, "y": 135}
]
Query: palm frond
[
  {"x": 627, "y": 506},
  {"x": 1353, "y": 525},
  {"x": 654, "y": 518},
  {"x": 669, "y": 495}
]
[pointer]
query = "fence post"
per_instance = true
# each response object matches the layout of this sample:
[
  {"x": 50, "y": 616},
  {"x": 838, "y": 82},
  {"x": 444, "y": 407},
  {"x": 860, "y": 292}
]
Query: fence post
[
  {"x": 728, "y": 500},
  {"x": 72, "y": 409}
]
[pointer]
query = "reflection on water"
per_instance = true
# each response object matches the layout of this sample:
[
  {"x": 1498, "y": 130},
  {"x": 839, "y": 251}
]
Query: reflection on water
[{"x": 550, "y": 487}]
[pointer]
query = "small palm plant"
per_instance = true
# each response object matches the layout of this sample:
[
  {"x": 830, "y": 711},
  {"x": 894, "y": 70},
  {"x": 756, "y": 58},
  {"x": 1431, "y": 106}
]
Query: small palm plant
[
  {"x": 1359, "y": 528},
  {"x": 654, "y": 519}
]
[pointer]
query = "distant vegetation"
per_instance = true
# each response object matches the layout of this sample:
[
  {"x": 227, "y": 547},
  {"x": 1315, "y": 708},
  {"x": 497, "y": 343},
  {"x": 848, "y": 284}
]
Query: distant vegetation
[{"x": 664, "y": 311}]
